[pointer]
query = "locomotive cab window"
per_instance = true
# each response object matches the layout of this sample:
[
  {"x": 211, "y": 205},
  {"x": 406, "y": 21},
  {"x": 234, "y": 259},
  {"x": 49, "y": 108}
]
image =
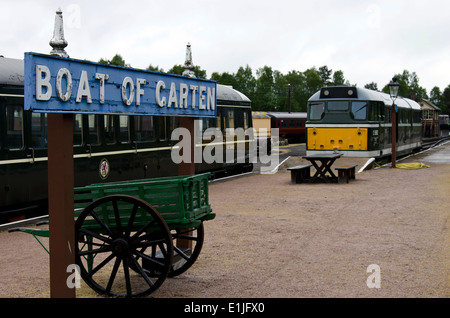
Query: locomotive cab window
[
  {"x": 316, "y": 111},
  {"x": 337, "y": 106},
  {"x": 359, "y": 110}
]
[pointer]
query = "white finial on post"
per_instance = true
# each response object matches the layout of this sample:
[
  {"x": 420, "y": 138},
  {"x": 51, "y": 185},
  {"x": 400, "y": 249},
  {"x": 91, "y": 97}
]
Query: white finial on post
[
  {"x": 58, "y": 42},
  {"x": 188, "y": 64}
]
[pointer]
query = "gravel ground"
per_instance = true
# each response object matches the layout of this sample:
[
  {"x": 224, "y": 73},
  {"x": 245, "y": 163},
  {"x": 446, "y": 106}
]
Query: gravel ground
[{"x": 273, "y": 239}]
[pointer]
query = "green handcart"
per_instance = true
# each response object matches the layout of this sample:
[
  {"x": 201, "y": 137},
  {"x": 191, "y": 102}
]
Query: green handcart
[{"x": 130, "y": 236}]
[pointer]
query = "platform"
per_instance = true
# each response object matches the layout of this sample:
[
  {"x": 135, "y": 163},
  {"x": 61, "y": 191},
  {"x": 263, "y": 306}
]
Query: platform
[{"x": 274, "y": 239}]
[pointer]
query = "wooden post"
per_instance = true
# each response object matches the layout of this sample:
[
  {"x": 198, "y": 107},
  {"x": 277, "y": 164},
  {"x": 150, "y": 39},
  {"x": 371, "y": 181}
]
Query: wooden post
[
  {"x": 188, "y": 168},
  {"x": 60, "y": 197}
]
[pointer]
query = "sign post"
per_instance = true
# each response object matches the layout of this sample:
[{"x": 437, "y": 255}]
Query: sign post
[
  {"x": 60, "y": 191},
  {"x": 62, "y": 87}
]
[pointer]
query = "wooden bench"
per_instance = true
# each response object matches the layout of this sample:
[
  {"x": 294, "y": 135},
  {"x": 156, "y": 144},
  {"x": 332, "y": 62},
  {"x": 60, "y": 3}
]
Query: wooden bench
[
  {"x": 300, "y": 173},
  {"x": 345, "y": 173}
]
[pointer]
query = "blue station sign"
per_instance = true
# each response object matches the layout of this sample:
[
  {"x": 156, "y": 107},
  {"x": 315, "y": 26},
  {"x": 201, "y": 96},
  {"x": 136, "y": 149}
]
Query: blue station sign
[{"x": 61, "y": 85}]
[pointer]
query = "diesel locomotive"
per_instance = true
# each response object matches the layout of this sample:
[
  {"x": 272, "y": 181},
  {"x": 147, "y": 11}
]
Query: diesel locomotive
[
  {"x": 357, "y": 122},
  {"x": 106, "y": 148}
]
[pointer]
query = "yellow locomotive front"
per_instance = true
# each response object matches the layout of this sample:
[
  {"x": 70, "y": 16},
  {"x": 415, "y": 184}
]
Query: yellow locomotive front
[{"x": 356, "y": 122}]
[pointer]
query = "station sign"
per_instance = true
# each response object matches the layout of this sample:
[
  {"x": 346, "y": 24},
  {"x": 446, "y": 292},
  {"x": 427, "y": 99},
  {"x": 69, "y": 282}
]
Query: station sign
[{"x": 55, "y": 84}]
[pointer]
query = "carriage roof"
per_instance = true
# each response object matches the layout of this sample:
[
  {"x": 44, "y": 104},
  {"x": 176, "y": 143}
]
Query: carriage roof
[
  {"x": 11, "y": 71},
  {"x": 366, "y": 95},
  {"x": 287, "y": 115}
]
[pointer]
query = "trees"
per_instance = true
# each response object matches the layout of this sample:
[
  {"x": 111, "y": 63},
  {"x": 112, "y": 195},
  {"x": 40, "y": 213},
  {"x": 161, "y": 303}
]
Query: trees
[
  {"x": 271, "y": 90},
  {"x": 409, "y": 86}
]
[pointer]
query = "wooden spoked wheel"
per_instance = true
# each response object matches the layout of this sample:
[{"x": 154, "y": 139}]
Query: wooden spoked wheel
[
  {"x": 187, "y": 244},
  {"x": 112, "y": 234}
]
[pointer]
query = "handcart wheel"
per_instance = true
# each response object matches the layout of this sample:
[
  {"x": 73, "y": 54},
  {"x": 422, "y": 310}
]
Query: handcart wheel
[
  {"x": 111, "y": 235},
  {"x": 184, "y": 257}
]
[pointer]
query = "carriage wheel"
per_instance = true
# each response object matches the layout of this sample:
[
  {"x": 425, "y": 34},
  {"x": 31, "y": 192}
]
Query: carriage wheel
[
  {"x": 111, "y": 234},
  {"x": 186, "y": 251}
]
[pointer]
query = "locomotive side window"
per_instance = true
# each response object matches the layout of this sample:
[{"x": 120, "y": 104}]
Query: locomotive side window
[
  {"x": 144, "y": 128},
  {"x": 38, "y": 130},
  {"x": 359, "y": 110},
  {"x": 316, "y": 111},
  {"x": 14, "y": 127}
]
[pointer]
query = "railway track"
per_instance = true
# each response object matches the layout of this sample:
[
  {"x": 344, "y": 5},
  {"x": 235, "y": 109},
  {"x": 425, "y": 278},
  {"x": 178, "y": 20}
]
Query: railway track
[{"x": 433, "y": 142}]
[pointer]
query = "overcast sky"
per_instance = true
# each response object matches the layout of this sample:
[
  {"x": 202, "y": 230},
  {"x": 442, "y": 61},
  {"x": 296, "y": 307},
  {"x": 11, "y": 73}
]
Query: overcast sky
[{"x": 369, "y": 41}]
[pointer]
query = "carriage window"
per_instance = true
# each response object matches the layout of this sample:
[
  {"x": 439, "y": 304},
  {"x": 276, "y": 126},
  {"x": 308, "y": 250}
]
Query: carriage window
[
  {"x": 359, "y": 110},
  {"x": 299, "y": 123},
  {"x": 78, "y": 130},
  {"x": 230, "y": 115},
  {"x": 14, "y": 126},
  {"x": 245, "y": 120},
  {"x": 283, "y": 123},
  {"x": 174, "y": 122},
  {"x": 124, "y": 133},
  {"x": 93, "y": 127},
  {"x": 337, "y": 106},
  {"x": 110, "y": 137},
  {"x": 219, "y": 122},
  {"x": 162, "y": 128},
  {"x": 291, "y": 123},
  {"x": 38, "y": 130},
  {"x": 316, "y": 111},
  {"x": 143, "y": 127}
]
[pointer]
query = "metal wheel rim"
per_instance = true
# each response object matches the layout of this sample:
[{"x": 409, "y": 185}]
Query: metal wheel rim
[{"x": 122, "y": 246}]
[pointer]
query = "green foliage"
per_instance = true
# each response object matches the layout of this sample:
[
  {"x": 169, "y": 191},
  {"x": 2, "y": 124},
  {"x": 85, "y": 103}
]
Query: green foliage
[
  {"x": 409, "y": 86},
  {"x": 270, "y": 90},
  {"x": 116, "y": 60}
]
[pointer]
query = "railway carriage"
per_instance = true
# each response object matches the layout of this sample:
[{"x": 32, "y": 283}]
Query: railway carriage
[
  {"x": 107, "y": 148},
  {"x": 357, "y": 122},
  {"x": 291, "y": 125}
]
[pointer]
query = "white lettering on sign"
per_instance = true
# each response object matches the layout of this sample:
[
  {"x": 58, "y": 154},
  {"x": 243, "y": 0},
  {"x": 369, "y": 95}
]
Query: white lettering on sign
[
  {"x": 184, "y": 92},
  {"x": 139, "y": 90},
  {"x": 102, "y": 78},
  {"x": 83, "y": 88},
  {"x": 173, "y": 94},
  {"x": 194, "y": 89},
  {"x": 160, "y": 102},
  {"x": 43, "y": 81},
  {"x": 127, "y": 100},
  {"x": 64, "y": 72}
]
